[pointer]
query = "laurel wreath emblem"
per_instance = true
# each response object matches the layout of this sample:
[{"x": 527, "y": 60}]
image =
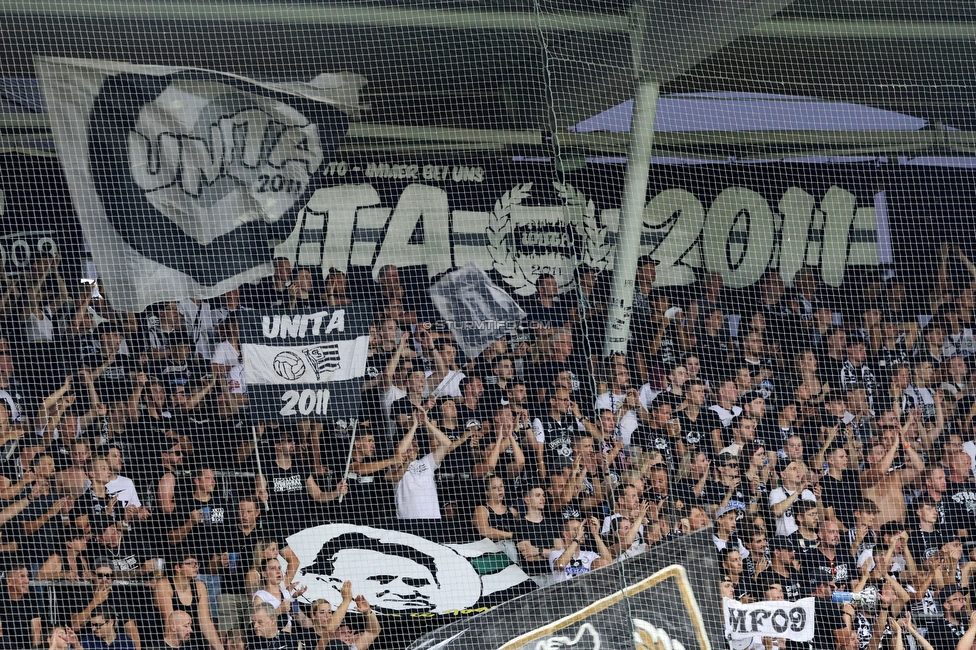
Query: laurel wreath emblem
[
  {"x": 501, "y": 233},
  {"x": 597, "y": 252}
]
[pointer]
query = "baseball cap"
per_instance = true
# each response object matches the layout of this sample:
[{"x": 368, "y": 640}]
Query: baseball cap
[
  {"x": 752, "y": 395},
  {"x": 731, "y": 506},
  {"x": 724, "y": 457},
  {"x": 946, "y": 592}
]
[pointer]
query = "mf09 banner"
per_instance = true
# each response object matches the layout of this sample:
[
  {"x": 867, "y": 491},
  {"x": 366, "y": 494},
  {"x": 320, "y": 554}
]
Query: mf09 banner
[
  {"x": 305, "y": 366},
  {"x": 518, "y": 221}
]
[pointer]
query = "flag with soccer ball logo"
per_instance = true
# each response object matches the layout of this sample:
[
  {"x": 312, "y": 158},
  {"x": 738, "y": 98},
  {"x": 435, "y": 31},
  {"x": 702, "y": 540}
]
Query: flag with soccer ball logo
[{"x": 305, "y": 366}]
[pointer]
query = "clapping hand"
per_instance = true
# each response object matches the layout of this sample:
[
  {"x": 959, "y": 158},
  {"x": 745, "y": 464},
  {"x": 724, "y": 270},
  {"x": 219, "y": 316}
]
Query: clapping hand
[{"x": 363, "y": 605}]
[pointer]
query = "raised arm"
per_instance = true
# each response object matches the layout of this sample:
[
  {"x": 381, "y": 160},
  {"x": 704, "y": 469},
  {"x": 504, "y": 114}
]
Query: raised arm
[
  {"x": 606, "y": 557},
  {"x": 404, "y": 445},
  {"x": 365, "y": 638},
  {"x": 442, "y": 443}
]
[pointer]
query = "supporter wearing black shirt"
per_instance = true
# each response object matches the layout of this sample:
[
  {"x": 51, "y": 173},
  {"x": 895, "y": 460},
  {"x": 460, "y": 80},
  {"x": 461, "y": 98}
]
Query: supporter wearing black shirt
[
  {"x": 564, "y": 496},
  {"x": 129, "y": 603},
  {"x": 271, "y": 292},
  {"x": 37, "y": 527},
  {"x": 961, "y": 490},
  {"x": 830, "y": 561},
  {"x": 125, "y": 550},
  {"x": 20, "y": 613},
  {"x": 536, "y": 533},
  {"x": 699, "y": 426},
  {"x": 782, "y": 571},
  {"x": 934, "y": 486},
  {"x": 805, "y": 538},
  {"x": 108, "y": 368},
  {"x": 925, "y": 541},
  {"x": 555, "y": 430},
  {"x": 178, "y": 632},
  {"x": 470, "y": 411},
  {"x": 654, "y": 435},
  {"x": 856, "y": 371},
  {"x": 832, "y": 357},
  {"x": 840, "y": 487},
  {"x": 757, "y": 545},
  {"x": 862, "y": 537},
  {"x": 715, "y": 346},
  {"x": 496, "y": 384},
  {"x": 402, "y": 410},
  {"x": 384, "y": 348},
  {"x": 730, "y": 562},
  {"x": 544, "y": 308},
  {"x": 179, "y": 366},
  {"x": 694, "y": 488},
  {"x": 454, "y": 476},
  {"x": 202, "y": 517},
  {"x": 282, "y": 489},
  {"x": 727, "y": 487},
  {"x": 944, "y": 633},
  {"x": 370, "y": 499}
]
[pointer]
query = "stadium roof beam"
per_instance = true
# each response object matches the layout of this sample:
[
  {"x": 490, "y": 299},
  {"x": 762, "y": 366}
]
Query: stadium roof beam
[
  {"x": 21, "y": 128},
  {"x": 390, "y": 16}
]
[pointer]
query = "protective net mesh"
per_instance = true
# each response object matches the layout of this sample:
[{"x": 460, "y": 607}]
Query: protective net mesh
[{"x": 486, "y": 325}]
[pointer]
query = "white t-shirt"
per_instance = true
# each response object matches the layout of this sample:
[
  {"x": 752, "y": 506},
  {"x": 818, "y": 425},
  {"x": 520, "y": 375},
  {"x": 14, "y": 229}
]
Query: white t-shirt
[
  {"x": 225, "y": 355},
  {"x": 271, "y": 599},
  {"x": 648, "y": 395},
  {"x": 786, "y": 525},
  {"x": 628, "y": 423},
  {"x": 416, "y": 493},
  {"x": 200, "y": 321},
  {"x": 726, "y": 416},
  {"x": 450, "y": 386},
  {"x": 970, "y": 448},
  {"x": 579, "y": 564},
  {"x": 125, "y": 489}
]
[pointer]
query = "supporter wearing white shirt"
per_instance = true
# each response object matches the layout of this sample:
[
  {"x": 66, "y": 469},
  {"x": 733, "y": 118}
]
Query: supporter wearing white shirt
[
  {"x": 416, "y": 490},
  {"x": 120, "y": 486},
  {"x": 726, "y": 408},
  {"x": 570, "y": 561},
  {"x": 227, "y": 358},
  {"x": 200, "y": 320},
  {"x": 621, "y": 396},
  {"x": 782, "y": 498}
]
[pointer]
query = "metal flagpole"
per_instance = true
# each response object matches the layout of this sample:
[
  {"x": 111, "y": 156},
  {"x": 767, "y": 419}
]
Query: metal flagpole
[
  {"x": 631, "y": 217},
  {"x": 352, "y": 441}
]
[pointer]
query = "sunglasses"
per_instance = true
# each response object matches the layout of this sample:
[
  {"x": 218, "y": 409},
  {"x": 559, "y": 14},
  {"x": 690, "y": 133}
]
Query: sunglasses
[
  {"x": 657, "y": 466},
  {"x": 732, "y": 465}
]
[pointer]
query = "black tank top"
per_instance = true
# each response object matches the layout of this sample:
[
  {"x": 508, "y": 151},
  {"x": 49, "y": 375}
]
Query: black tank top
[{"x": 506, "y": 521}]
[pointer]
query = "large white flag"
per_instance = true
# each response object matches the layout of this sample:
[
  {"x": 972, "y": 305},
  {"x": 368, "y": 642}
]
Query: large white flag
[
  {"x": 476, "y": 310},
  {"x": 181, "y": 177}
]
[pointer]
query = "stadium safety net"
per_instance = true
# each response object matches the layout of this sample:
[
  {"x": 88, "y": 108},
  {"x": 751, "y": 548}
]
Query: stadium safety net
[{"x": 500, "y": 324}]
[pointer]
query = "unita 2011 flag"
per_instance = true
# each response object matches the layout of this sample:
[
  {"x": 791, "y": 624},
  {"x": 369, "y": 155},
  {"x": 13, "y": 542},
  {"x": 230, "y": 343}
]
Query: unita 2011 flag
[
  {"x": 305, "y": 366},
  {"x": 182, "y": 176}
]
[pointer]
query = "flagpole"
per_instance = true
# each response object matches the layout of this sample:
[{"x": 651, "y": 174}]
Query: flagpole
[{"x": 352, "y": 442}]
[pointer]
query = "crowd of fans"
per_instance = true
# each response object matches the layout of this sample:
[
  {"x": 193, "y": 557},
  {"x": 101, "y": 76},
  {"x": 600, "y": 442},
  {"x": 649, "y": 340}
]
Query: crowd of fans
[{"x": 831, "y": 445}]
